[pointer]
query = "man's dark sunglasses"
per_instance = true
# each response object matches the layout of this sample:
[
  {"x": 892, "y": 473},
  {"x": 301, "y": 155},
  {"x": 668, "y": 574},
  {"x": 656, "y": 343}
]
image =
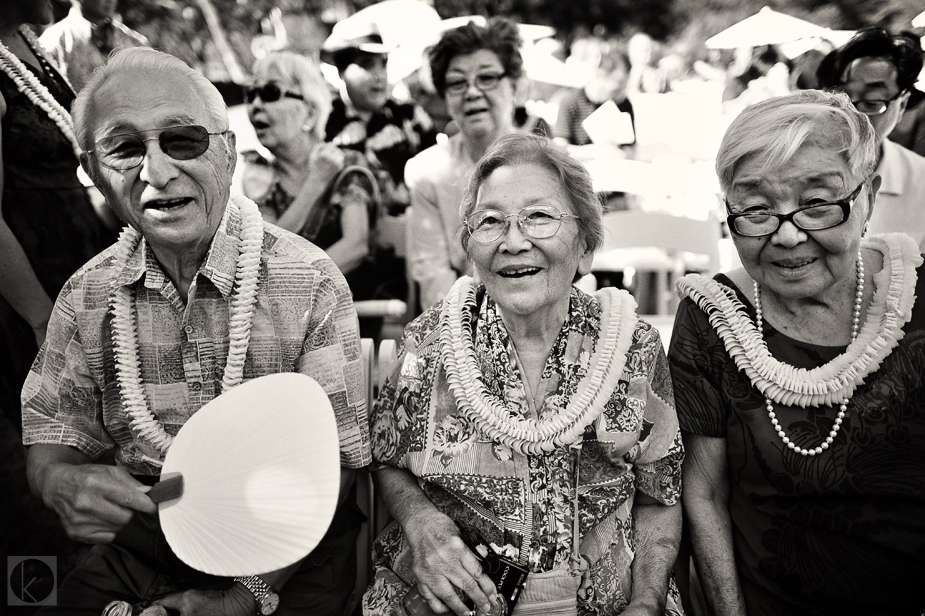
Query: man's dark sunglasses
[
  {"x": 813, "y": 218},
  {"x": 126, "y": 151},
  {"x": 269, "y": 93}
]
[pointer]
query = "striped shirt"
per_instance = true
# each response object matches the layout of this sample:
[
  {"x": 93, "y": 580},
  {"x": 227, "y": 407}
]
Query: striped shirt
[{"x": 304, "y": 322}]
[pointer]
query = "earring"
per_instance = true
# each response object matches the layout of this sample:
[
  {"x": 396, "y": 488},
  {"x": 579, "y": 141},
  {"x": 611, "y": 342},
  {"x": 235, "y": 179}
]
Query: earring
[{"x": 866, "y": 228}]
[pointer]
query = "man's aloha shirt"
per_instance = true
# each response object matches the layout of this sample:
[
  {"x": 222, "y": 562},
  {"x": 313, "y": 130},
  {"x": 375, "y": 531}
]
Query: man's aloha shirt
[
  {"x": 304, "y": 322},
  {"x": 521, "y": 503}
]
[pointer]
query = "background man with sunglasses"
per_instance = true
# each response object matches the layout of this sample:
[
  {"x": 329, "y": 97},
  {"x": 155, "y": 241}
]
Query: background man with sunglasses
[
  {"x": 175, "y": 290},
  {"x": 878, "y": 71}
]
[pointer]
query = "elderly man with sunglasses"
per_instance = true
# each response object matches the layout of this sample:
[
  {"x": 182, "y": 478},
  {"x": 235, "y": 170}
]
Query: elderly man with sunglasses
[
  {"x": 878, "y": 70},
  {"x": 173, "y": 291}
]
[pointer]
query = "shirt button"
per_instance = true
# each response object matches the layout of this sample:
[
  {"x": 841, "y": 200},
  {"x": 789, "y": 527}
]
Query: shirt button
[
  {"x": 188, "y": 329},
  {"x": 195, "y": 386}
]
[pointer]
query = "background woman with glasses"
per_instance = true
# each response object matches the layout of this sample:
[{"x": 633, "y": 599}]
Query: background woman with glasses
[
  {"x": 48, "y": 227},
  {"x": 315, "y": 189},
  {"x": 531, "y": 411},
  {"x": 476, "y": 70},
  {"x": 800, "y": 378}
]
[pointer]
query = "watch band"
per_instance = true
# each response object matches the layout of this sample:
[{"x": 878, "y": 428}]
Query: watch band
[{"x": 257, "y": 586}]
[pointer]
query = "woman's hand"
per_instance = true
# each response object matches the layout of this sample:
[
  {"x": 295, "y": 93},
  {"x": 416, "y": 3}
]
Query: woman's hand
[
  {"x": 324, "y": 163},
  {"x": 443, "y": 563}
]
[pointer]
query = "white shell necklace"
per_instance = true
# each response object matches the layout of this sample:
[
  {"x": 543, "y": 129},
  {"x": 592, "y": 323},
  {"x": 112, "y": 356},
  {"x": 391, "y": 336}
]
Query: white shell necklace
[
  {"x": 843, "y": 407},
  {"x": 124, "y": 328},
  {"x": 526, "y": 435},
  {"x": 27, "y": 83}
]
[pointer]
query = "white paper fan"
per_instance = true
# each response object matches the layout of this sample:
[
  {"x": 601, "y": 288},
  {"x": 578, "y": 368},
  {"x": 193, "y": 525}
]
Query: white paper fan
[{"x": 261, "y": 475}]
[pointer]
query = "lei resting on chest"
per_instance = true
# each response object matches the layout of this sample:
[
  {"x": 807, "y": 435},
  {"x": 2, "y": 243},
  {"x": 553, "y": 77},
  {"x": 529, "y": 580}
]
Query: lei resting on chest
[
  {"x": 889, "y": 310},
  {"x": 527, "y": 435}
]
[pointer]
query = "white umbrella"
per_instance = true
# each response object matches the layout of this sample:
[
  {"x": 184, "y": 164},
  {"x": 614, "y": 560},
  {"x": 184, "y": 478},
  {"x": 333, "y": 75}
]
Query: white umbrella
[
  {"x": 919, "y": 20},
  {"x": 766, "y": 27}
]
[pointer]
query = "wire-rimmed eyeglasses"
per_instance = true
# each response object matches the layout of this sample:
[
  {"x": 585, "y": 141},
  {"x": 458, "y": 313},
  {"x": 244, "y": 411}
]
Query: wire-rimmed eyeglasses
[
  {"x": 813, "y": 218},
  {"x": 536, "y": 221}
]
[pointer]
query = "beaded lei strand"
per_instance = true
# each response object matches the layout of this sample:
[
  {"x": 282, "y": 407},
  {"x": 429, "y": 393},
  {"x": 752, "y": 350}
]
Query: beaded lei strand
[
  {"x": 843, "y": 407},
  {"x": 27, "y": 83}
]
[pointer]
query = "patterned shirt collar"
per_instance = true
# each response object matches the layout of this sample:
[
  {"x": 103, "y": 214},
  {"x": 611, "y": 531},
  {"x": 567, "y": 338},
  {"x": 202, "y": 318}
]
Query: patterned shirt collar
[{"x": 219, "y": 266}]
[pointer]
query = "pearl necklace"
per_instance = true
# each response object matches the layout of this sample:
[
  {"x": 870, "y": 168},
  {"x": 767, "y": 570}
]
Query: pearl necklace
[
  {"x": 465, "y": 380},
  {"x": 843, "y": 407},
  {"x": 27, "y": 83},
  {"x": 124, "y": 328}
]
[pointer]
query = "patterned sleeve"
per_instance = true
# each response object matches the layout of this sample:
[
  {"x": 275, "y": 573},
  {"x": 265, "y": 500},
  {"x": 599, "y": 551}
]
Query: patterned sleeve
[
  {"x": 564, "y": 120},
  {"x": 429, "y": 257},
  {"x": 331, "y": 355},
  {"x": 61, "y": 401},
  {"x": 696, "y": 357},
  {"x": 658, "y": 453}
]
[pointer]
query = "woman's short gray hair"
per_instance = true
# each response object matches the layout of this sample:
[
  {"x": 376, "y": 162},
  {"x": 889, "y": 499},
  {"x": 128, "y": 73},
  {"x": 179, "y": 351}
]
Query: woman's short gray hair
[
  {"x": 306, "y": 76},
  {"x": 142, "y": 60},
  {"x": 777, "y": 128},
  {"x": 523, "y": 149}
]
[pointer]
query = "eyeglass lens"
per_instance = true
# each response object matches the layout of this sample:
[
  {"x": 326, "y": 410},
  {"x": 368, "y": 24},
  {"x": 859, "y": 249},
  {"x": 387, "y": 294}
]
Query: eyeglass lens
[
  {"x": 538, "y": 222},
  {"x": 127, "y": 151},
  {"x": 808, "y": 219}
]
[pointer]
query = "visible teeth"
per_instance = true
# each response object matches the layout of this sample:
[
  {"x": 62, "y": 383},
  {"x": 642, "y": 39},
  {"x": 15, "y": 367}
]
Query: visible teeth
[{"x": 521, "y": 271}]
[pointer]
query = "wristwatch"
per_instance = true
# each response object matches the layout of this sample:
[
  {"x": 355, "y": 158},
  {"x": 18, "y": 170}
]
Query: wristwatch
[{"x": 267, "y": 598}]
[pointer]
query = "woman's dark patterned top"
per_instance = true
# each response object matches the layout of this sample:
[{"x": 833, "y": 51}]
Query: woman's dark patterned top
[{"x": 839, "y": 533}]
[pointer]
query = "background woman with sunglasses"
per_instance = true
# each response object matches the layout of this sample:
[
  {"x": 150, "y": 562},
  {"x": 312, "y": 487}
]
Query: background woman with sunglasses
[
  {"x": 312, "y": 188},
  {"x": 476, "y": 69},
  {"x": 800, "y": 378},
  {"x": 48, "y": 227},
  {"x": 537, "y": 414}
]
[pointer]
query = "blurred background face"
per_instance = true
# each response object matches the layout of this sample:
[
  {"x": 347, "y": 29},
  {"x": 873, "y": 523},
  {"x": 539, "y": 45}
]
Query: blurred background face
[
  {"x": 609, "y": 83},
  {"x": 367, "y": 82},
  {"x": 480, "y": 113},
  {"x": 283, "y": 121},
  {"x": 875, "y": 79},
  {"x": 96, "y": 10}
]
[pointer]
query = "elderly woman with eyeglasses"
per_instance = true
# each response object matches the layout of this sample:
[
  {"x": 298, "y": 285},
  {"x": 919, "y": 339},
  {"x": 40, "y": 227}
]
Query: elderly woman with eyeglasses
[
  {"x": 476, "y": 70},
  {"x": 800, "y": 378},
  {"x": 528, "y": 417},
  {"x": 315, "y": 189}
]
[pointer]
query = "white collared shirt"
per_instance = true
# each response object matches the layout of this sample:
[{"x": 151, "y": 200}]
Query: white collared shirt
[{"x": 900, "y": 204}]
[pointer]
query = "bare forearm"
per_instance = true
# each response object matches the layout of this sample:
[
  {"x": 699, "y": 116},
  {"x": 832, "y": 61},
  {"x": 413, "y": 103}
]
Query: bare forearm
[
  {"x": 658, "y": 534},
  {"x": 712, "y": 543},
  {"x": 41, "y": 460},
  {"x": 402, "y": 494},
  {"x": 347, "y": 254},
  {"x": 18, "y": 283},
  {"x": 296, "y": 215}
]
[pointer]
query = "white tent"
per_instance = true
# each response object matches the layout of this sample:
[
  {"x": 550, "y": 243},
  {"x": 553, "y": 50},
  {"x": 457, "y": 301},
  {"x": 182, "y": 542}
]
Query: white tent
[{"x": 766, "y": 27}]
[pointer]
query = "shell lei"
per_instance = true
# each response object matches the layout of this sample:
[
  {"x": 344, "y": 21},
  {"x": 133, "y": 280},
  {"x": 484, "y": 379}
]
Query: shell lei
[
  {"x": 529, "y": 436},
  {"x": 890, "y": 309},
  {"x": 27, "y": 83},
  {"x": 125, "y": 334}
]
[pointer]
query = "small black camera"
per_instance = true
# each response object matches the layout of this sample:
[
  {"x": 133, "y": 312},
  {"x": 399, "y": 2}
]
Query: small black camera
[{"x": 509, "y": 578}]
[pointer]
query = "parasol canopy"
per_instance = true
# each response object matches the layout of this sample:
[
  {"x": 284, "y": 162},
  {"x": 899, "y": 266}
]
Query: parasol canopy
[{"x": 766, "y": 27}]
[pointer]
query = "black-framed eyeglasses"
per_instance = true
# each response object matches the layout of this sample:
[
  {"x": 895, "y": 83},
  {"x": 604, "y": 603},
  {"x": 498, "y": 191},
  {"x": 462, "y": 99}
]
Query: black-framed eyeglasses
[
  {"x": 536, "y": 221},
  {"x": 482, "y": 81},
  {"x": 127, "y": 150},
  {"x": 269, "y": 92},
  {"x": 876, "y": 107},
  {"x": 812, "y": 218}
]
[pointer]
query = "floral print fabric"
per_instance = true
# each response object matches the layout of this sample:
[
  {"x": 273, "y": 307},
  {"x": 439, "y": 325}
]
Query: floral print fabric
[{"x": 524, "y": 504}]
